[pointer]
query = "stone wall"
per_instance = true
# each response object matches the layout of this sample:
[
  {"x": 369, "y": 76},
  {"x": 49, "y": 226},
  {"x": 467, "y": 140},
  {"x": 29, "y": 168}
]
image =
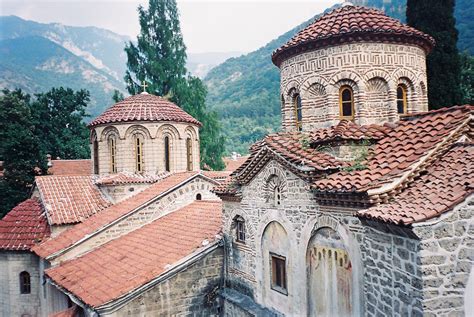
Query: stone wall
[
  {"x": 117, "y": 193},
  {"x": 172, "y": 201},
  {"x": 447, "y": 261},
  {"x": 12, "y": 302},
  {"x": 191, "y": 292},
  {"x": 373, "y": 70},
  {"x": 153, "y": 135}
]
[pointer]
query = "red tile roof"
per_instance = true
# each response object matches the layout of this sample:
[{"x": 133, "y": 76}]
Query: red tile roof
[
  {"x": 351, "y": 24},
  {"x": 100, "y": 220},
  {"x": 71, "y": 167},
  {"x": 347, "y": 130},
  {"x": 130, "y": 178},
  {"x": 70, "y": 199},
  {"x": 70, "y": 312},
  {"x": 120, "y": 266},
  {"x": 443, "y": 185},
  {"x": 411, "y": 139},
  {"x": 232, "y": 164},
  {"x": 24, "y": 226},
  {"x": 217, "y": 175},
  {"x": 144, "y": 107}
]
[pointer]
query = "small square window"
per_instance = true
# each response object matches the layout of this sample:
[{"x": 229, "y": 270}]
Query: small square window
[
  {"x": 240, "y": 231},
  {"x": 278, "y": 265}
]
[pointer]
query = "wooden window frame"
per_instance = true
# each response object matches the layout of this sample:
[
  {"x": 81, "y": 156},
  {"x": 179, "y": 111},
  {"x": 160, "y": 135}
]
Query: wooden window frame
[
  {"x": 113, "y": 154},
  {"x": 342, "y": 102},
  {"x": 139, "y": 164},
  {"x": 167, "y": 152},
  {"x": 189, "y": 154},
  {"x": 240, "y": 230},
  {"x": 278, "y": 274},
  {"x": 25, "y": 283},
  {"x": 298, "y": 110},
  {"x": 404, "y": 99}
]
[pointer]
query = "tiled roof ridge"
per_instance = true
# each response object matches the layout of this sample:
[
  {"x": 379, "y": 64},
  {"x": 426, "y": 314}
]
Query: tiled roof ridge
[
  {"x": 384, "y": 193},
  {"x": 91, "y": 231},
  {"x": 413, "y": 116},
  {"x": 130, "y": 178},
  {"x": 351, "y": 24}
]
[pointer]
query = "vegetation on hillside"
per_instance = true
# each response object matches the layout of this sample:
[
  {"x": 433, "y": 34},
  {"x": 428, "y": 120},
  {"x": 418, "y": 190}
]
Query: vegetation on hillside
[
  {"x": 436, "y": 18},
  {"x": 31, "y": 129},
  {"x": 159, "y": 58}
]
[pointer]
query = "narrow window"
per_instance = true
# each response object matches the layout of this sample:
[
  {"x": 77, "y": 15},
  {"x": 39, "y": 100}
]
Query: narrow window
[
  {"x": 189, "y": 154},
  {"x": 112, "y": 154},
  {"x": 167, "y": 154},
  {"x": 401, "y": 99},
  {"x": 138, "y": 154},
  {"x": 346, "y": 103},
  {"x": 25, "y": 283},
  {"x": 278, "y": 264},
  {"x": 298, "y": 112},
  {"x": 96, "y": 156},
  {"x": 198, "y": 197},
  {"x": 240, "y": 229},
  {"x": 277, "y": 196}
]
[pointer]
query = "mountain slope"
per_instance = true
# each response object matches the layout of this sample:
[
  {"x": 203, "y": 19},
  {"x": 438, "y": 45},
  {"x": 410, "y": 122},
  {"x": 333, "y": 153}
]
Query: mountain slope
[
  {"x": 36, "y": 64},
  {"x": 245, "y": 90}
]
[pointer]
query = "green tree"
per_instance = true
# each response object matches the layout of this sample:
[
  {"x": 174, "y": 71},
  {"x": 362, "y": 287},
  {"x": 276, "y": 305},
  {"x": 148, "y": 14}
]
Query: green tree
[
  {"x": 467, "y": 78},
  {"x": 436, "y": 18},
  {"x": 159, "y": 58},
  {"x": 58, "y": 119},
  {"x": 19, "y": 149},
  {"x": 117, "y": 96}
]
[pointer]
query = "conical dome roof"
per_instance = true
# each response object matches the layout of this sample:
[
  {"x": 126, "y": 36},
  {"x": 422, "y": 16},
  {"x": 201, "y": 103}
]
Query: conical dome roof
[
  {"x": 351, "y": 24},
  {"x": 144, "y": 107}
]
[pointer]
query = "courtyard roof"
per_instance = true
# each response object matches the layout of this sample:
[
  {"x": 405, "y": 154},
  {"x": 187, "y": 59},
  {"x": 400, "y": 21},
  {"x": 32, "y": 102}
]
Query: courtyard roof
[
  {"x": 144, "y": 107},
  {"x": 24, "y": 226},
  {"x": 126, "y": 263},
  {"x": 351, "y": 24}
]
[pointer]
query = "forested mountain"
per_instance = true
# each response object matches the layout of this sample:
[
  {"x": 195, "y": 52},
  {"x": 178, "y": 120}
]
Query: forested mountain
[{"x": 244, "y": 90}]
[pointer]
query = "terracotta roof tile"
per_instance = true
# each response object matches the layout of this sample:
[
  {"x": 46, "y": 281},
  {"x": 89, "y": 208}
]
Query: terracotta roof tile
[
  {"x": 351, "y": 24},
  {"x": 398, "y": 150},
  {"x": 218, "y": 176},
  {"x": 347, "y": 130},
  {"x": 144, "y": 107},
  {"x": 120, "y": 266},
  {"x": 70, "y": 312},
  {"x": 108, "y": 215},
  {"x": 130, "y": 178},
  {"x": 232, "y": 164},
  {"x": 24, "y": 226},
  {"x": 70, "y": 167},
  {"x": 70, "y": 199},
  {"x": 443, "y": 185}
]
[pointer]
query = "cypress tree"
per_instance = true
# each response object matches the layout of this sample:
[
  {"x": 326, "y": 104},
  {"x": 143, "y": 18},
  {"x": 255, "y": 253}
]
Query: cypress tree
[
  {"x": 159, "y": 58},
  {"x": 436, "y": 18}
]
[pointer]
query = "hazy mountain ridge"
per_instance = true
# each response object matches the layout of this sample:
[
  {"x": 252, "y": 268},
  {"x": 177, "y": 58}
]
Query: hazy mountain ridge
[{"x": 245, "y": 90}]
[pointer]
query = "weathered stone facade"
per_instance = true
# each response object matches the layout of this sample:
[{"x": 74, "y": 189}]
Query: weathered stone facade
[
  {"x": 152, "y": 134},
  {"x": 372, "y": 70}
]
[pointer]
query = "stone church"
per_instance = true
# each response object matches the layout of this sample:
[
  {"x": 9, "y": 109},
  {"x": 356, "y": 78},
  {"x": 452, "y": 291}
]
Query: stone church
[{"x": 361, "y": 206}]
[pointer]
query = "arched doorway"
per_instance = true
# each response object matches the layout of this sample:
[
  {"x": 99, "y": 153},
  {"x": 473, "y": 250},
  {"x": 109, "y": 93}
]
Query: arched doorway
[{"x": 329, "y": 275}]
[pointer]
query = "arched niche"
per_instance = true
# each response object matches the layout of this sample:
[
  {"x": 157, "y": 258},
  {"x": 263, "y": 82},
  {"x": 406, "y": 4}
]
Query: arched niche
[
  {"x": 137, "y": 129},
  {"x": 108, "y": 131},
  {"x": 377, "y": 95},
  {"x": 329, "y": 275}
]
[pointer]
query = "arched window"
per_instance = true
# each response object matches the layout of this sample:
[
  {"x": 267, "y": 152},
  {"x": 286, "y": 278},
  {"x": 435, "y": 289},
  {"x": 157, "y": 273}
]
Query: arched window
[
  {"x": 138, "y": 142},
  {"x": 298, "y": 112},
  {"x": 25, "y": 283},
  {"x": 346, "y": 103},
  {"x": 167, "y": 154},
  {"x": 277, "y": 196},
  {"x": 402, "y": 99},
  {"x": 240, "y": 229},
  {"x": 95, "y": 149},
  {"x": 198, "y": 197},
  {"x": 113, "y": 154},
  {"x": 189, "y": 154}
]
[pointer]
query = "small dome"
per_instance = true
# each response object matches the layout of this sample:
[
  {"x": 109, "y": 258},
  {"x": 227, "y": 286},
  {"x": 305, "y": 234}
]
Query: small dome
[
  {"x": 143, "y": 107},
  {"x": 351, "y": 24}
]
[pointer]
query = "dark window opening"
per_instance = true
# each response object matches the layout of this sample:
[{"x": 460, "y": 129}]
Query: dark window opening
[
  {"x": 198, "y": 197},
  {"x": 402, "y": 99},
  {"x": 240, "y": 229},
  {"x": 25, "y": 283},
  {"x": 298, "y": 112},
  {"x": 189, "y": 154},
  {"x": 96, "y": 156},
  {"x": 167, "y": 154},
  {"x": 278, "y": 278}
]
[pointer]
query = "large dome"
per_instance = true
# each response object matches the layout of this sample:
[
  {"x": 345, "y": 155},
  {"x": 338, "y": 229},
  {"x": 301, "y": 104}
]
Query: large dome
[
  {"x": 144, "y": 107},
  {"x": 351, "y": 24}
]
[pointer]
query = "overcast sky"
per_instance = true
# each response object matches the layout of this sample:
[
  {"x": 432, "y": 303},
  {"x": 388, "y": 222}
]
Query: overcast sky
[{"x": 207, "y": 26}]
